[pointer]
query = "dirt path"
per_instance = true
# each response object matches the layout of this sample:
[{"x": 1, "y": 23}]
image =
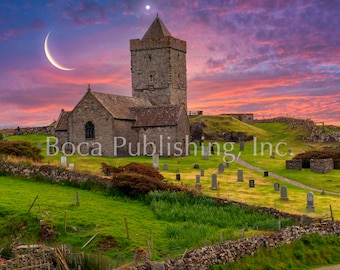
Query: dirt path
[{"x": 282, "y": 178}]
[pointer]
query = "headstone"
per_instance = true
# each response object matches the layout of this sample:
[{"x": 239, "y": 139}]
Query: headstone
[
  {"x": 39, "y": 145},
  {"x": 196, "y": 166},
  {"x": 71, "y": 166},
  {"x": 220, "y": 168},
  {"x": 198, "y": 179},
  {"x": 178, "y": 177},
  {"x": 310, "y": 202},
  {"x": 63, "y": 161},
  {"x": 155, "y": 161},
  {"x": 239, "y": 175},
  {"x": 214, "y": 181},
  {"x": 198, "y": 187},
  {"x": 251, "y": 183},
  {"x": 202, "y": 172},
  {"x": 226, "y": 164},
  {"x": 241, "y": 146},
  {"x": 265, "y": 173},
  {"x": 272, "y": 155},
  {"x": 165, "y": 166},
  {"x": 206, "y": 152},
  {"x": 284, "y": 193},
  {"x": 276, "y": 187}
]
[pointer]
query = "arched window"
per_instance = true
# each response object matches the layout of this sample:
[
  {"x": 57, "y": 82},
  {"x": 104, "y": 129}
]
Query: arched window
[{"x": 89, "y": 130}]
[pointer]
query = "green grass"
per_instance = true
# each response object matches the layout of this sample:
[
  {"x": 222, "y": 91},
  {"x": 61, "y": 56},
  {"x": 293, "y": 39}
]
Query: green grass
[
  {"x": 311, "y": 251},
  {"x": 176, "y": 220}
]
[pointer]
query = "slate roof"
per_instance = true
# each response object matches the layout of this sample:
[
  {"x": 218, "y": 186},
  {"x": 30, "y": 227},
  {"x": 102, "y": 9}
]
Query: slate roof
[
  {"x": 156, "y": 116},
  {"x": 157, "y": 30},
  {"x": 118, "y": 106},
  {"x": 61, "y": 124}
]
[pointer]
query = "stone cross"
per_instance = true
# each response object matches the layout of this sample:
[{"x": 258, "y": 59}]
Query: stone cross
[
  {"x": 214, "y": 182},
  {"x": 220, "y": 168},
  {"x": 284, "y": 193},
  {"x": 239, "y": 175},
  {"x": 155, "y": 161},
  {"x": 276, "y": 187},
  {"x": 310, "y": 202},
  {"x": 251, "y": 183},
  {"x": 202, "y": 172}
]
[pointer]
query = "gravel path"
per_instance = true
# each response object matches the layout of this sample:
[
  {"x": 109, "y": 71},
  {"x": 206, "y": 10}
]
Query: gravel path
[{"x": 282, "y": 178}]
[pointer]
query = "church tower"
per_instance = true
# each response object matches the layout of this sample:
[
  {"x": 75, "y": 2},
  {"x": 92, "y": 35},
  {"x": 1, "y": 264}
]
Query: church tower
[{"x": 158, "y": 67}]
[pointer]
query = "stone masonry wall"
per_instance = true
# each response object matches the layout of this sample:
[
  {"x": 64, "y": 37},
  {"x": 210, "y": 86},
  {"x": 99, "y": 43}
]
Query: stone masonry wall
[
  {"x": 321, "y": 165},
  {"x": 294, "y": 164},
  {"x": 27, "y": 130}
]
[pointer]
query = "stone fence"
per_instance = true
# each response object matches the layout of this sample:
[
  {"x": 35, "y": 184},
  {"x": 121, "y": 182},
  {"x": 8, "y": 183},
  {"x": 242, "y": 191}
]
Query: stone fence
[
  {"x": 27, "y": 130},
  {"x": 231, "y": 251},
  {"x": 293, "y": 122}
]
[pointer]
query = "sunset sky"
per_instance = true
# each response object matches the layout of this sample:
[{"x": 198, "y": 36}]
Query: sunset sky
[{"x": 271, "y": 58}]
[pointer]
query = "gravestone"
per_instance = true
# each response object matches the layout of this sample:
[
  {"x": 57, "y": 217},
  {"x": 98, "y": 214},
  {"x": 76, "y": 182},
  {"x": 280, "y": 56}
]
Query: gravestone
[
  {"x": 155, "y": 161},
  {"x": 310, "y": 202},
  {"x": 198, "y": 179},
  {"x": 226, "y": 164},
  {"x": 202, "y": 172},
  {"x": 206, "y": 151},
  {"x": 178, "y": 177},
  {"x": 241, "y": 146},
  {"x": 165, "y": 166},
  {"x": 198, "y": 187},
  {"x": 284, "y": 193},
  {"x": 276, "y": 187},
  {"x": 265, "y": 173},
  {"x": 71, "y": 166},
  {"x": 196, "y": 166},
  {"x": 272, "y": 155},
  {"x": 251, "y": 183},
  {"x": 239, "y": 175},
  {"x": 220, "y": 168},
  {"x": 39, "y": 145},
  {"x": 63, "y": 161},
  {"x": 214, "y": 181}
]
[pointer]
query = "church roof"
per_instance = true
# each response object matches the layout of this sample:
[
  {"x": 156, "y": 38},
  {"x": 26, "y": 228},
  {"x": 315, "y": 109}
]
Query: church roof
[
  {"x": 61, "y": 124},
  {"x": 118, "y": 106},
  {"x": 157, "y": 30},
  {"x": 156, "y": 116}
]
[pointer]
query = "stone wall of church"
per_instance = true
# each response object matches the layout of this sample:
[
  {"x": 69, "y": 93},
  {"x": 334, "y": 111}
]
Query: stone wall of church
[
  {"x": 90, "y": 110},
  {"x": 158, "y": 70}
]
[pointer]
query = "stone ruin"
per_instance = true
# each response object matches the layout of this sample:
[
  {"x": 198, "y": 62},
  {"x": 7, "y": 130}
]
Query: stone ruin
[{"x": 321, "y": 165}]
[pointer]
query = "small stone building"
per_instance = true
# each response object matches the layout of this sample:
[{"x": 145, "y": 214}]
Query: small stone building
[{"x": 153, "y": 120}]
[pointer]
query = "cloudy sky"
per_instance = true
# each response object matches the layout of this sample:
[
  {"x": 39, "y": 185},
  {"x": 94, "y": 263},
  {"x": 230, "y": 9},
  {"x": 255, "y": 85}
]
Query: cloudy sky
[{"x": 267, "y": 57}]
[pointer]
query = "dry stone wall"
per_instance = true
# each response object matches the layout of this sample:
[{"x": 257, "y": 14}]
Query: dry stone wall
[{"x": 27, "y": 131}]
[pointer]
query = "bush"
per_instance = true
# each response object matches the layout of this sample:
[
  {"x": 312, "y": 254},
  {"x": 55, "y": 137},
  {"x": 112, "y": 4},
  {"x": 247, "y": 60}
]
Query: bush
[
  {"x": 137, "y": 168},
  {"x": 133, "y": 184},
  {"x": 1, "y": 136},
  {"x": 20, "y": 149}
]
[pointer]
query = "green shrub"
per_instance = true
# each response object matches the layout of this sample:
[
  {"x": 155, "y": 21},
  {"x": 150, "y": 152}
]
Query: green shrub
[
  {"x": 20, "y": 149},
  {"x": 1, "y": 136}
]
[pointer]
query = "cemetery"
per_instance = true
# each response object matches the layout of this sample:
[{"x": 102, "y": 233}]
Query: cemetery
[{"x": 225, "y": 181}]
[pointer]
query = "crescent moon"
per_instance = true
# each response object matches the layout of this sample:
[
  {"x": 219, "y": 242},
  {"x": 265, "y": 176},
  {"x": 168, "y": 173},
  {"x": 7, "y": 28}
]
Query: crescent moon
[{"x": 50, "y": 58}]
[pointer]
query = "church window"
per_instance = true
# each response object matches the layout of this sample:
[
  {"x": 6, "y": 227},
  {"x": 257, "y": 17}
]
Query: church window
[
  {"x": 89, "y": 130},
  {"x": 150, "y": 78}
]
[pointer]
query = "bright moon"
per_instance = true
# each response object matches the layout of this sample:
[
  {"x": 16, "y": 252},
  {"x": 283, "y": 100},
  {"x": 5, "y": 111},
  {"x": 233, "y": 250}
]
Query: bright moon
[
  {"x": 147, "y": 7},
  {"x": 51, "y": 59}
]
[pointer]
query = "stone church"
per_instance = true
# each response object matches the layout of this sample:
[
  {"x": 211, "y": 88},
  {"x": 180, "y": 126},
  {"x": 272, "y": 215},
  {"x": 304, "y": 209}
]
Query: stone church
[{"x": 153, "y": 120}]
